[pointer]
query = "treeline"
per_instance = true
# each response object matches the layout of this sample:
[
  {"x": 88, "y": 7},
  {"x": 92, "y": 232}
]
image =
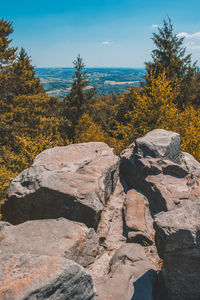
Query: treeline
[{"x": 31, "y": 121}]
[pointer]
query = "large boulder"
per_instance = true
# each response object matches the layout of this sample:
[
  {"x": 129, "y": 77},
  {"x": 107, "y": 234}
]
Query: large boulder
[
  {"x": 36, "y": 260},
  {"x": 155, "y": 165},
  {"x": 178, "y": 244},
  {"x": 74, "y": 182},
  {"x": 27, "y": 276},
  {"x": 56, "y": 237}
]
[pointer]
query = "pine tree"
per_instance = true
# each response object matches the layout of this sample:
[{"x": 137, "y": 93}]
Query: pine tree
[
  {"x": 25, "y": 82},
  {"x": 80, "y": 95},
  {"x": 170, "y": 55},
  {"x": 7, "y": 57},
  {"x": 7, "y": 53}
]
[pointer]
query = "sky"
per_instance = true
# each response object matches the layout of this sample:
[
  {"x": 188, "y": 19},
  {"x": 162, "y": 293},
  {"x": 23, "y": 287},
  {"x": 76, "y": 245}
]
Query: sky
[{"x": 106, "y": 33}]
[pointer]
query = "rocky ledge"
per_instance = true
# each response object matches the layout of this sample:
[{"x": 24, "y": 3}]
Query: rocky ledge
[{"x": 82, "y": 223}]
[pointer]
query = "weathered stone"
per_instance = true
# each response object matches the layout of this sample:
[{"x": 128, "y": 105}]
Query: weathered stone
[
  {"x": 178, "y": 243},
  {"x": 192, "y": 165},
  {"x": 3, "y": 224},
  {"x": 159, "y": 143},
  {"x": 58, "y": 237},
  {"x": 110, "y": 232},
  {"x": 74, "y": 182},
  {"x": 155, "y": 165},
  {"x": 131, "y": 276},
  {"x": 134, "y": 212},
  {"x": 166, "y": 192},
  {"x": 110, "y": 229},
  {"x": 28, "y": 277}
]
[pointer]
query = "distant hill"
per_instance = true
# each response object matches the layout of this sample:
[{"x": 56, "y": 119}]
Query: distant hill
[{"x": 57, "y": 81}]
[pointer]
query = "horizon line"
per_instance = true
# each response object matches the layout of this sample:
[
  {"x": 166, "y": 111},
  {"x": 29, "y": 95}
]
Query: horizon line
[{"x": 96, "y": 67}]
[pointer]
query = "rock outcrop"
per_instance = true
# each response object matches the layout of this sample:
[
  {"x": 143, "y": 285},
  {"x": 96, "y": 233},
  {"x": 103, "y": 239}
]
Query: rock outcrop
[
  {"x": 74, "y": 182},
  {"x": 155, "y": 165},
  {"x": 68, "y": 189},
  {"x": 178, "y": 243}
]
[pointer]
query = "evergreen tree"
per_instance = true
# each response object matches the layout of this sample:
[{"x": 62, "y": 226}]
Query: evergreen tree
[
  {"x": 25, "y": 82},
  {"x": 170, "y": 55},
  {"x": 80, "y": 95},
  {"x": 7, "y": 53},
  {"x": 7, "y": 57}
]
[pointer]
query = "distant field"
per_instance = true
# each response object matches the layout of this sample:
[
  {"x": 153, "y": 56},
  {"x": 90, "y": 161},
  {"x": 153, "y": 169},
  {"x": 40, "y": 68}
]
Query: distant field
[{"x": 57, "y": 81}]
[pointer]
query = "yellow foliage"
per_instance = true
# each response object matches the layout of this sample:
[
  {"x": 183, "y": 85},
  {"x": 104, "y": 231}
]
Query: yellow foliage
[
  {"x": 6, "y": 176},
  {"x": 189, "y": 129},
  {"x": 88, "y": 131},
  {"x": 28, "y": 125},
  {"x": 154, "y": 108}
]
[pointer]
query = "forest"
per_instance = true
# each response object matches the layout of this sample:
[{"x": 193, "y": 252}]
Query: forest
[{"x": 31, "y": 120}]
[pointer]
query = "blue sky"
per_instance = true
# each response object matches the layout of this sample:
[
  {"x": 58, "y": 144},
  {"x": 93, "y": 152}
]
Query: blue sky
[{"x": 106, "y": 33}]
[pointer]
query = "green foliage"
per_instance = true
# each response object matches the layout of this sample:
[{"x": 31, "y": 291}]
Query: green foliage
[
  {"x": 30, "y": 121},
  {"x": 27, "y": 127},
  {"x": 103, "y": 111},
  {"x": 7, "y": 53},
  {"x": 81, "y": 94},
  {"x": 7, "y": 57},
  {"x": 170, "y": 55},
  {"x": 24, "y": 80}
]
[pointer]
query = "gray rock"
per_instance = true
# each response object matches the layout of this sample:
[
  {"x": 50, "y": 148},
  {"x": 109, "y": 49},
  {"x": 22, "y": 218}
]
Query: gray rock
[
  {"x": 58, "y": 237},
  {"x": 178, "y": 243},
  {"x": 155, "y": 165},
  {"x": 167, "y": 192},
  {"x": 193, "y": 166},
  {"x": 30, "y": 277},
  {"x": 74, "y": 182},
  {"x": 159, "y": 143}
]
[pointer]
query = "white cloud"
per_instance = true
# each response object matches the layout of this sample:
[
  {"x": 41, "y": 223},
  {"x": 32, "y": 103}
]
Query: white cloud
[
  {"x": 191, "y": 46},
  {"x": 105, "y": 43},
  {"x": 155, "y": 26},
  {"x": 195, "y": 47},
  {"x": 189, "y": 36}
]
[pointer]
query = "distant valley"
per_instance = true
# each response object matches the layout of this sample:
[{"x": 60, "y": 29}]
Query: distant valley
[{"x": 57, "y": 81}]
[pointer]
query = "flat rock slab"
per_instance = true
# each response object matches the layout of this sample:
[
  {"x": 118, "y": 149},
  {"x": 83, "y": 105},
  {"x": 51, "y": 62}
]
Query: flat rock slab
[
  {"x": 178, "y": 243},
  {"x": 57, "y": 237},
  {"x": 74, "y": 182},
  {"x": 29, "y": 277}
]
